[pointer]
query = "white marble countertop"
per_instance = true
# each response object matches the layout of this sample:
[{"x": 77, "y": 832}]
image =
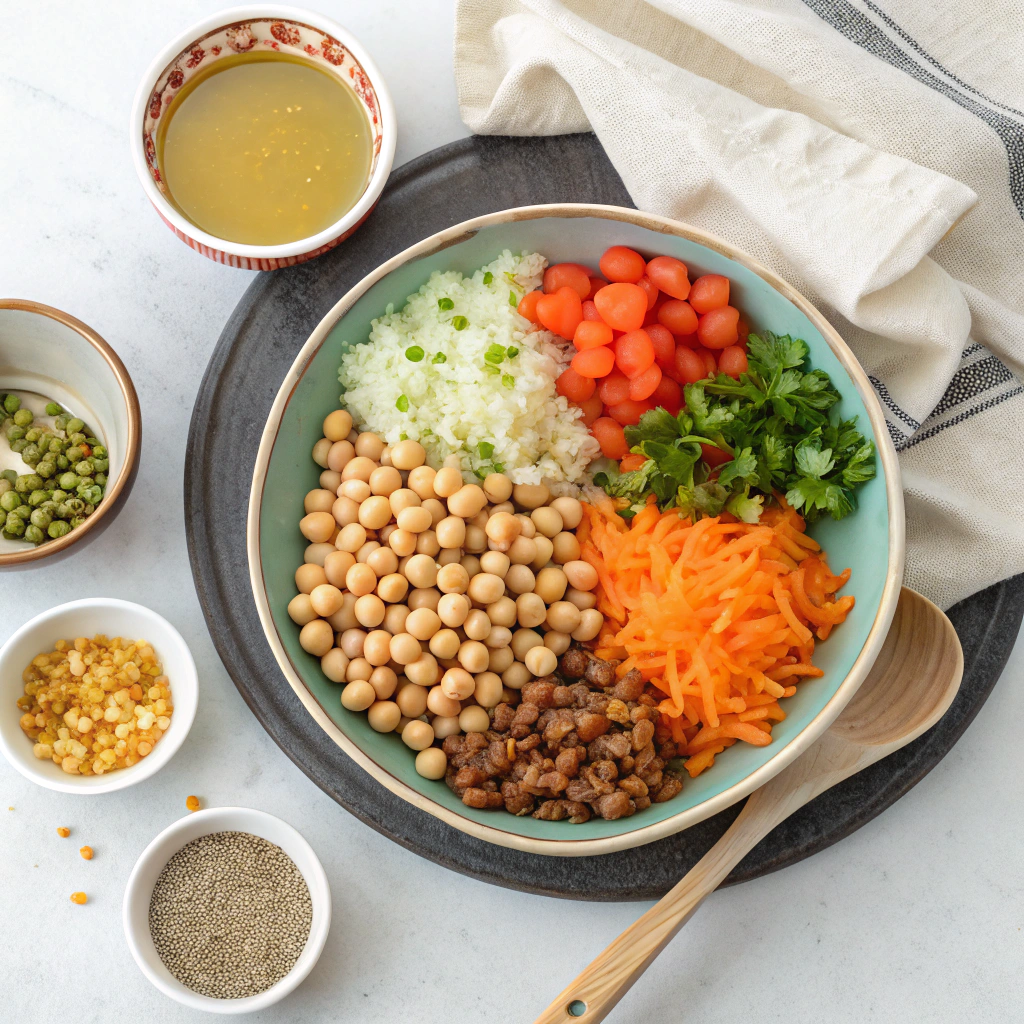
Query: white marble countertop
[{"x": 916, "y": 917}]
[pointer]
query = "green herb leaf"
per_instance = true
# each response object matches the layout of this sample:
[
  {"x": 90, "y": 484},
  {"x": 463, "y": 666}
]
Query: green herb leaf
[
  {"x": 495, "y": 354},
  {"x": 486, "y": 449},
  {"x": 488, "y": 277},
  {"x": 445, "y": 303},
  {"x": 512, "y": 351},
  {"x": 460, "y": 323},
  {"x": 656, "y": 425},
  {"x": 439, "y": 357},
  {"x": 508, "y": 380},
  {"x": 402, "y": 405},
  {"x": 512, "y": 300},
  {"x": 745, "y": 507},
  {"x": 414, "y": 353}
]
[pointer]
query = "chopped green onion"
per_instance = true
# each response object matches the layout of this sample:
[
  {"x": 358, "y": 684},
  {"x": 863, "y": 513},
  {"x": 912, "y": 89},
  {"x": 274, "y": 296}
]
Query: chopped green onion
[
  {"x": 499, "y": 467},
  {"x": 512, "y": 351},
  {"x": 491, "y": 369},
  {"x": 439, "y": 357},
  {"x": 414, "y": 353},
  {"x": 445, "y": 303},
  {"x": 512, "y": 300},
  {"x": 495, "y": 354},
  {"x": 486, "y": 449},
  {"x": 402, "y": 405},
  {"x": 403, "y": 436},
  {"x": 460, "y": 323},
  {"x": 481, "y": 473},
  {"x": 508, "y": 380},
  {"x": 488, "y": 277}
]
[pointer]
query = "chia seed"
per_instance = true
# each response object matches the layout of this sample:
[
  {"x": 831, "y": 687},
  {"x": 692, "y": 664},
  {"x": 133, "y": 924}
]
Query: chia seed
[{"x": 230, "y": 915}]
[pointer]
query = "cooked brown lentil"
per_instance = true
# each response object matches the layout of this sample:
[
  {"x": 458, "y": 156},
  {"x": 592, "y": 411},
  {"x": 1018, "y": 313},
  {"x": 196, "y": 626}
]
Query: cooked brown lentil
[{"x": 230, "y": 915}]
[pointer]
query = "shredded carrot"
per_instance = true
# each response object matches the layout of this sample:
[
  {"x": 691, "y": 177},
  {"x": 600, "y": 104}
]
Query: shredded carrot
[{"x": 721, "y": 617}]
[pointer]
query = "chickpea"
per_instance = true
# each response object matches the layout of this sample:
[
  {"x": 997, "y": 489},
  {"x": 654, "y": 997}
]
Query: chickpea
[
  {"x": 360, "y": 579},
  {"x": 392, "y": 588},
  {"x": 330, "y": 480},
  {"x": 447, "y": 481},
  {"x": 432, "y": 763},
  {"x": 374, "y": 513},
  {"x": 384, "y": 682},
  {"x": 499, "y": 636},
  {"x": 523, "y": 551},
  {"x": 358, "y": 468},
  {"x": 418, "y": 735},
  {"x": 485, "y": 588},
  {"x": 300, "y": 609},
  {"x": 591, "y": 621},
  {"x": 476, "y": 540},
  {"x": 480, "y": 519},
  {"x": 336, "y": 565},
  {"x": 488, "y": 689},
  {"x": 474, "y": 719},
  {"x": 530, "y": 610},
  {"x": 337, "y": 425},
  {"x": 557, "y": 642},
  {"x": 437, "y": 511},
  {"x": 405, "y": 648},
  {"x": 471, "y": 564},
  {"x": 467, "y": 501},
  {"x": 426, "y": 544},
  {"x": 345, "y": 617},
  {"x": 320, "y": 450},
  {"x": 421, "y": 571},
  {"x": 453, "y": 609},
  {"x": 383, "y": 561},
  {"x": 551, "y": 584},
  {"x": 345, "y": 511},
  {"x": 414, "y": 519},
  {"x": 541, "y": 661},
  {"x": 449, "y": 556},
  {"x": 352, "y": 537},
  {"x": 453, "y": 579},
  {"x": 563, "y": 617},
  {"x": 385, "y": 480},
  {"x": 451, "y": 532},
  {"x": 445, "y": 643},
  {"x": 440, "y": 703},
  {"x": 500, "y": 659},
  {"x": 581, "y": 575},
  {"x": 494, "y": 562},
  {"x": 544, "y": 551},
  {"x": 530, "y": 496},
  {"x": 353, "y": 642},
  {"x": 339, "y": 456},
  {"x": 369, "y": 610},
  {"x": 377, "y": 647},
  {"x": 316, "y": 637},
  {"x": 309, "y": 577},
  {"x": 357, "y": 490},
  {"x": 497, "y": 487},
  {"x": 424, "y": 597},
  {"x": 423, "y": 671},
  {"x": 334, "y": 665},
  {"x": 503, "y": 506},
  {"x": 316, "y": 554},
  {"x": 581, "y": 598},
  {"x": 423, "y": 623},
  {"x": 402, "y": 542},
  {"x": 358, "y": 668},
  {"x": 385, "y": 457},
  {"x": 395, "y": 617},
  {"x": 408, "y": 455},
  {"x": 473, "y": 656},
  {"x": 502, "y": 612},
  {"x": 317, "y": 527},
  {"x": 516, "y": 676},
  {"x": 571, "y": 511},
  {"x": 529, "y": 527},
  {"x": 325, "y": 599},
  {"x": 383, "y": 716},
  {"x": 443, "y": 727},
  {"x": 402, "y": 499},
  {"x": 421, "y": 480},
  {"x": 369, "y": 445},
  {"x": 567, "y": 548},
  {"x": 411, "y": 700},
  {"x": 458, "y": 684},
  {"x": 318, "y": 500},
  {"x": 547, "y": 520},
  {"x": 502, "y": 529},
  {"x": 524, "y": 640},
  {"x": 520, "y": 579},
  {"x": 477, "y": 626},
  {"x": 358, "y": 696}
]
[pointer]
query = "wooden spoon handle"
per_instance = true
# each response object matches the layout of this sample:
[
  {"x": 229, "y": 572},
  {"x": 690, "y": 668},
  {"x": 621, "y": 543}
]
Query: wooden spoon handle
[{"x": 595, "y": 992}]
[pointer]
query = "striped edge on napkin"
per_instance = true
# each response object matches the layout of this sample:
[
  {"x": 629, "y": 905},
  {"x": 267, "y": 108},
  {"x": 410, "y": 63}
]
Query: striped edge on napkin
[{"x": 874, "y": 160}]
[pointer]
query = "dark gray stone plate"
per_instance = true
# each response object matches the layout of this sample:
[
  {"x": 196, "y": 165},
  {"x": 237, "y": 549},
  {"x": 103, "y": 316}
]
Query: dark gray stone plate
[{"x": 273, "y": 320}]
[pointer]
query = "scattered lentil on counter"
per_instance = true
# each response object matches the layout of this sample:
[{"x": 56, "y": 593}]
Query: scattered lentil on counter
[
  {"x": 230, "y": 915},
  {"x": 63, "y": 832}
]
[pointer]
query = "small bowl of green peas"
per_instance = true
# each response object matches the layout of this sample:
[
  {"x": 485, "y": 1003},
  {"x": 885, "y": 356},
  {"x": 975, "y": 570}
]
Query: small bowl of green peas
[{"x": 69, "y": 444}]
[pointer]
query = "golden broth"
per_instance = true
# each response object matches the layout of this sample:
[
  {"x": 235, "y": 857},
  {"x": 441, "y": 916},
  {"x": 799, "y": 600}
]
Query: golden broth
[{"x": 264, "y": 148}]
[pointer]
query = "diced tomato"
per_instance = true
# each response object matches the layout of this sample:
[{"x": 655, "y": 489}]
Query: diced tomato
[
  {"x": 714, "y": 456},
  {"x": 717, "y": 328},
  {"x": 528, "y": 306},
  {"x": 594, "y": 362},
  {"x": 574, "y": 387},
  {"x": 592, "y": 409},
  {"x": 620, "y": 263},
  {"x": 610, "y": 437},
  {"x": 591, "y": 334},
  {"x": 622, "y": 306},
  {"x": 664, "y": 344},
  {"x": 710, "y": 364},
  {"x": 590, "y": 311},
  {"x": 632, "y": 462},
  {"x": 643, "y": 385},
  {"x": 567, "y": 275},
  {"x": 709, "y": 292},
  {"x": 678, "y": 316},
  {"x": 733, "y": 361},
  {"x": 689, "y": 366},
  {"x": 670, "y": 275},
  {"x": 630, "y": 411},
  {"x": 650, "y": 290},
  {"x": 668, "y": 395},
  {"x": 634, "y": 352},
  {"x": 614, "y": 388},
  {"x": 561, "y": 312},
  {"x": 596, "y": 284}
]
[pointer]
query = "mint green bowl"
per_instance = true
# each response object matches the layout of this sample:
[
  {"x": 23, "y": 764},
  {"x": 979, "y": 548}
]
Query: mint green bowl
[{"x": 870, "y": 542}]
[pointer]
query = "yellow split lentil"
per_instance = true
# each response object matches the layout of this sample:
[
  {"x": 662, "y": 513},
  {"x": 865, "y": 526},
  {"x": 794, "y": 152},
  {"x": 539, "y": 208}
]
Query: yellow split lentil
[
  {"x": 192, "y": 803},
  {"x": 79, "y": 898},
  {"x": 94, "y": 706},
  {"x": 63, "y": 832},
  {"x": 86, "y": 852}
]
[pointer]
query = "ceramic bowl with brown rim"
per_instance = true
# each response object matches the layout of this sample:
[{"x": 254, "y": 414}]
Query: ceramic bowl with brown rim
[
  {"x": 294, "y": 32},
  {"x": 48, "y": 355},
  {"x": 870, "y": 542}
]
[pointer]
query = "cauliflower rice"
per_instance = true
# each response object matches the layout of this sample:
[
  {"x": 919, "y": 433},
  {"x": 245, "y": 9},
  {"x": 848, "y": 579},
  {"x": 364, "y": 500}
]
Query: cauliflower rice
[{"x": 459, "y": 370}]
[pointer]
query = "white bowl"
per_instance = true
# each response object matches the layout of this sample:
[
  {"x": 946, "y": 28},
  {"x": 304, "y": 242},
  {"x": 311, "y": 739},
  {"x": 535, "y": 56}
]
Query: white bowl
[
  {"x": 88, "y": 617},
  {"x": 135, "y": 912},
  {"x": 289, "y": 30}
]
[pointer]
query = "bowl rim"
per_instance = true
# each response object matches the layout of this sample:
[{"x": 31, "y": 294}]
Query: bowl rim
[
  {"x": 568, "y": 847},
  {"x": 163, "y": 752},
  {"x": 224, "y": 19},
  {"x": 319, "y": 888},
  {"x": 112, "y": 496}
]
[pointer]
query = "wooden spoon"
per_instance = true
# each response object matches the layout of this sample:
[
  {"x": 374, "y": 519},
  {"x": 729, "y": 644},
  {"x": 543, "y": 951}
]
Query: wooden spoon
[{"x": 909, "y": 688}]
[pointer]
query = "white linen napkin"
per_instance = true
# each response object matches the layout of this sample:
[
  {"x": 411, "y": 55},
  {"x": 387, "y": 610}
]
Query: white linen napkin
[{"x": 875, "y": 160}]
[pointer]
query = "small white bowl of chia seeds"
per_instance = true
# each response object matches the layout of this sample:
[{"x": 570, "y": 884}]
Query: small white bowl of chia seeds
[{"x": 227, "y": 910}]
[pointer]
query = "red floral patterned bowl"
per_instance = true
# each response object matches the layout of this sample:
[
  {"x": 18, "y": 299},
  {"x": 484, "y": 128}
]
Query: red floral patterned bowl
[{"x": 289, "y": 30}]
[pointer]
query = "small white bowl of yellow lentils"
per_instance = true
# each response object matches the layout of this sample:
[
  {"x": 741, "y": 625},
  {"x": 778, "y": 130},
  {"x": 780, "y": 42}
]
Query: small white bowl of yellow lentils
[{"x": 429, "y": 598}]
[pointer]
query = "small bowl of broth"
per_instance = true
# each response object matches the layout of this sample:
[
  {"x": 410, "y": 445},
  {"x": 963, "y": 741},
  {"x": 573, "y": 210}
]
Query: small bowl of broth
[{"x": 263, "y": 136}]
